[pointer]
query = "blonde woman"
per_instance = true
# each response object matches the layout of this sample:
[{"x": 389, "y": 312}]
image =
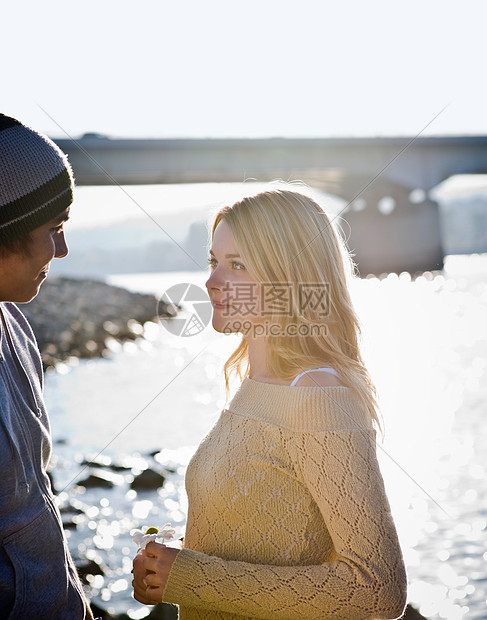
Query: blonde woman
[{"x": 288, "y": 518}]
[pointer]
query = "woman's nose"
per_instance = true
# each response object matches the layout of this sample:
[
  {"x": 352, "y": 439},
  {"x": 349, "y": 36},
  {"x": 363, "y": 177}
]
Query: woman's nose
[{"x": 213, "y": 281}]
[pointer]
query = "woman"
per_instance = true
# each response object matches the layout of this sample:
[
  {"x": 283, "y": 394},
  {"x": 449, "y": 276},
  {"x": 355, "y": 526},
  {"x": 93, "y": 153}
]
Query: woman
[{"x": 288, "y": 518}]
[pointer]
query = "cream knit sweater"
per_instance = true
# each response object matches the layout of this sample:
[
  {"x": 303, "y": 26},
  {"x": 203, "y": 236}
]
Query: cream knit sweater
[{"x": 288, "y": 517}]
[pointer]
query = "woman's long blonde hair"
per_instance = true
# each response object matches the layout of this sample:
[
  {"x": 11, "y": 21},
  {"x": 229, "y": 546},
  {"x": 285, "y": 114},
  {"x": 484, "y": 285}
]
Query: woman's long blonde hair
[{"x": 285, "y": 238}]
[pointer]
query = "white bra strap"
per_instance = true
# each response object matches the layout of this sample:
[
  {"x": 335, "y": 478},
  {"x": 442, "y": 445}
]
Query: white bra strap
[{"x": 330, "y": 370}]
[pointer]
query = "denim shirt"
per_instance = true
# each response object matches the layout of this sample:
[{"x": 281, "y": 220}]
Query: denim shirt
[{"x": 37, "y": 575}]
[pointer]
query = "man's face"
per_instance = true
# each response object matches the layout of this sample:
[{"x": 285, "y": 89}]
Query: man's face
[{"x": 21, "y": 274}]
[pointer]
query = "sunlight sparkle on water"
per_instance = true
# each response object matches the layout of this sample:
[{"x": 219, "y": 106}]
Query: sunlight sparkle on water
[
  {"x": 119, "y": 585},
  {"x": 141, "y": 509}
]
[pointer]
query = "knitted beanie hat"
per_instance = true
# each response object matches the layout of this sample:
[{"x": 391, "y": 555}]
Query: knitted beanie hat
[{"x": 36, "y": 180}]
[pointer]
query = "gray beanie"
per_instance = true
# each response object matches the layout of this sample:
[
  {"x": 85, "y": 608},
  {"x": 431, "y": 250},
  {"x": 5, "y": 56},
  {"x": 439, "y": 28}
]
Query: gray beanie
[{"x": 36, "y": 180}]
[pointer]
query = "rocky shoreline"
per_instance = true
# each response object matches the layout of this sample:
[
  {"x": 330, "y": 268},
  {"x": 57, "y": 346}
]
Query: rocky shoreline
[{"x": 79, "y": 318}]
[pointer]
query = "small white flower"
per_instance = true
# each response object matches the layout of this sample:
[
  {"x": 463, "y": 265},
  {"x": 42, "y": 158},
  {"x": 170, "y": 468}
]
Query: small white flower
[
  {"x": 165, "y": 533},
  {"x": 142, "y": 539}
]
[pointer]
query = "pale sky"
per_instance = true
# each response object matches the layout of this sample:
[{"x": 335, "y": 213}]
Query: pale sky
[{"x": 220, "y": 68}]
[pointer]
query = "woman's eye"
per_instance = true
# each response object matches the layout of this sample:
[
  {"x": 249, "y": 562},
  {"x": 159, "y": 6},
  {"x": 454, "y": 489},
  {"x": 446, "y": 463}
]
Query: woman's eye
[{"x": 212, "y": 262}]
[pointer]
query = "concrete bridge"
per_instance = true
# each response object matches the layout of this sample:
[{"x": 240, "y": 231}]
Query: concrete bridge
[{"x": 394, "y": 224}]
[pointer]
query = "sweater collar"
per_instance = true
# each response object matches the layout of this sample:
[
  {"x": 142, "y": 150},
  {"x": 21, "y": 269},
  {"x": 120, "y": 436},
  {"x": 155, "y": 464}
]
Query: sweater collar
[{"x": 300, "y": 408}]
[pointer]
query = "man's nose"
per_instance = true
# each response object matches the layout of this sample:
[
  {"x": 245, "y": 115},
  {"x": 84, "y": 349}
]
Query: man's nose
[{"x": 61, "y": 246}]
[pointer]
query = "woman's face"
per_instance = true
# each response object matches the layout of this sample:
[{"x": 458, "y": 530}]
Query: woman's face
[{"x": 233, "y": 292}]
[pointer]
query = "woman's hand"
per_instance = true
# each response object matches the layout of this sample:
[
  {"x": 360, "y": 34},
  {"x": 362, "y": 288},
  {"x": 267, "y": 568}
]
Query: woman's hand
[
  {"x": 140, "y": 574},
  {"x": 151, "y": 571}
]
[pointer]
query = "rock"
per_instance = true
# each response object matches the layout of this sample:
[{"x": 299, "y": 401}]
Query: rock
[
  {"x": 163, "y": 611},
  {"x": 99, "y": 612},
  {"x": 96, "y": 481},
  {"x": 51, "y": 480},
  {"x": 106, "y": 463},
  {"x": 148, "y": 480},
  {"x": 78, "y": 317},
  {"x": 69, "y": 509},
  {"x": 100, "y": 478},
  {"x": 89, "y": 567},
  {"x": 119, "y": 467},
  {"x": 412, "y": 614},
  {"x": 97, "y": 461},
  {"x": 69, "y": 515},
  {"x": 69, "y": 525}
]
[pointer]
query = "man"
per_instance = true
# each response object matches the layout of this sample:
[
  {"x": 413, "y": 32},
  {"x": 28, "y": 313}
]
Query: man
[{"x": 37, "y": 575}]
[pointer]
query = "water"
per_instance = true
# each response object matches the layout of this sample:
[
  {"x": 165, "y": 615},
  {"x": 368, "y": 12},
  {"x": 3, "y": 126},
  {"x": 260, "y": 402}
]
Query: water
[{"x": 426, "y": 347}]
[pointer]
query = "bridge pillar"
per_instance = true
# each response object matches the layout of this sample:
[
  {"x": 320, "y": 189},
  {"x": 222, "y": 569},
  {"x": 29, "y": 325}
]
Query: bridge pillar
[{"x": 389, "y": 233}]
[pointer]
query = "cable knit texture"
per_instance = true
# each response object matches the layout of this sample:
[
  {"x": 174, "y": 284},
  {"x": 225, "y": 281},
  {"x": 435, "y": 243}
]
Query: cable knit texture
[{"x": 288, "y": 517}]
